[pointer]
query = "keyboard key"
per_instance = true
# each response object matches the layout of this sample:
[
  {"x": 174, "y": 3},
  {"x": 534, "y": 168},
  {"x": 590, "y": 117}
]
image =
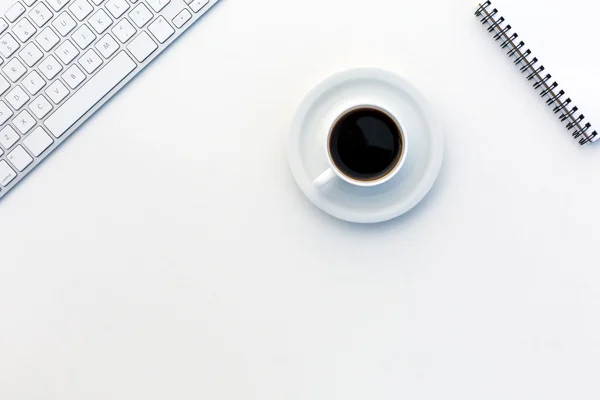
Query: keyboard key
[
  {"x": 3, "y": 25},
  {"x": 107, "y": 46},
  {"x": 89, "y": 94},
  {"x": 20, "y": 158},
  {"x": 4, "y": 85},
  {"x": 33, "y": 82},
  {"x": 47, "y": 39},
  {"x": 90, "y": 61},
  {"x": 15, "y": 12},
  {"x": 83, "y": 36},
  {"x": 161, "y": 29},
  {"x": 197, "y": 5},
  {"x": 8, "y": 137},
  {"x": 50, "y": 67},
  {"x": 97, "y": 2},
  {"x": 158, "y": 5},
  {"x": 66, "y": 52},
  {"x": 29, "y": 3},
  {"x": 64, "y": 24},
  {"x": 14, "y": 69},
  {"x": 8, "y": 45},
  {"x": 100, "y": 21},
  {"x": 142, "y": 46},
  {"x": 40, "y": 14},
  {"x": 31, "y": 54},
  {"x": 17, "y": 97},
  {"x": 24, "y": 30},
  {"x": 24, "y": 122},
  {"x": 117, "y": 7},
  {"x": 73, "y": 76},
  {"x": 38, "y": 141},
  {"x": 182, "y": 18},
  {"x": 57, "y": 5},
  {"x": 140, "y": 15},
  {"x": 124, "y": 30},
  {"x": 40, "y": 107},
  {"x": 57, "y": 92},
  {"x": 7, "y": 174},
  {"x": 81, "y": 9},
  {"x": 5, "y": 112}
]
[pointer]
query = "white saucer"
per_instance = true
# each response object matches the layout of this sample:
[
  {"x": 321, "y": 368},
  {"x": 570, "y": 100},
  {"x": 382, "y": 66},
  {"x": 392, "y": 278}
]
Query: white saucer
[{"x": 308, "y": 158}]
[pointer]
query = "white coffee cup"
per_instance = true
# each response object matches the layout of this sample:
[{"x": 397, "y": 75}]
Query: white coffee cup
[{"x": 334, "y": 172}]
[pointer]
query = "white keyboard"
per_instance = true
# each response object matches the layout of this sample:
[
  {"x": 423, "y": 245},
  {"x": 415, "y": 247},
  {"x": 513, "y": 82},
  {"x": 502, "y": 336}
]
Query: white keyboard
[{"x": 61, "y": 60}]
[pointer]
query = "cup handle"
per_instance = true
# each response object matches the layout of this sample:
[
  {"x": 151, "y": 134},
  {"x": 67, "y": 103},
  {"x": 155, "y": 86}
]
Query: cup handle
[{"x": 324, "y": 178}]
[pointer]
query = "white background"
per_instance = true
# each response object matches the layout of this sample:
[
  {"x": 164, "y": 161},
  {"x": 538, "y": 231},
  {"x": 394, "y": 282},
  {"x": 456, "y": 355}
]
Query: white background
[{"x": 164, "y": 251}]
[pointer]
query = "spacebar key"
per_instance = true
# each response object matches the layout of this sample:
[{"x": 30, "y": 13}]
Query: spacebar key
[{"x": 90, "y": 94}]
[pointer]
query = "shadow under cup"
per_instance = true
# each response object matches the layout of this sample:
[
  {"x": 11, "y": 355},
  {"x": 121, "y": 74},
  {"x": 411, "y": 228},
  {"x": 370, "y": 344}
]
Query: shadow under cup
[{"x": 366, "y": 144}]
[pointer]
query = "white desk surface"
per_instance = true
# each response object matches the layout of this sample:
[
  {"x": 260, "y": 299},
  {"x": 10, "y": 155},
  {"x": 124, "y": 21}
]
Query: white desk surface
[{"x": 164, "y": 251}]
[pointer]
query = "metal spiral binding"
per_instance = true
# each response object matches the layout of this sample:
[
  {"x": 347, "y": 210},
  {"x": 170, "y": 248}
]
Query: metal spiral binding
[{"x": 535, "y": 71}]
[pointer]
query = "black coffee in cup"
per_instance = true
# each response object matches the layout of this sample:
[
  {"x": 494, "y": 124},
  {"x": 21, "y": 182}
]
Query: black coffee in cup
[{"x": 366, "y": 144}]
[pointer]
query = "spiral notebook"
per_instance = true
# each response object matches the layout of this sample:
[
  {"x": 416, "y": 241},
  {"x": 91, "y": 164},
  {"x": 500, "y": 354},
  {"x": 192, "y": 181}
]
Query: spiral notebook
[{"x": 536, "y": 73}]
